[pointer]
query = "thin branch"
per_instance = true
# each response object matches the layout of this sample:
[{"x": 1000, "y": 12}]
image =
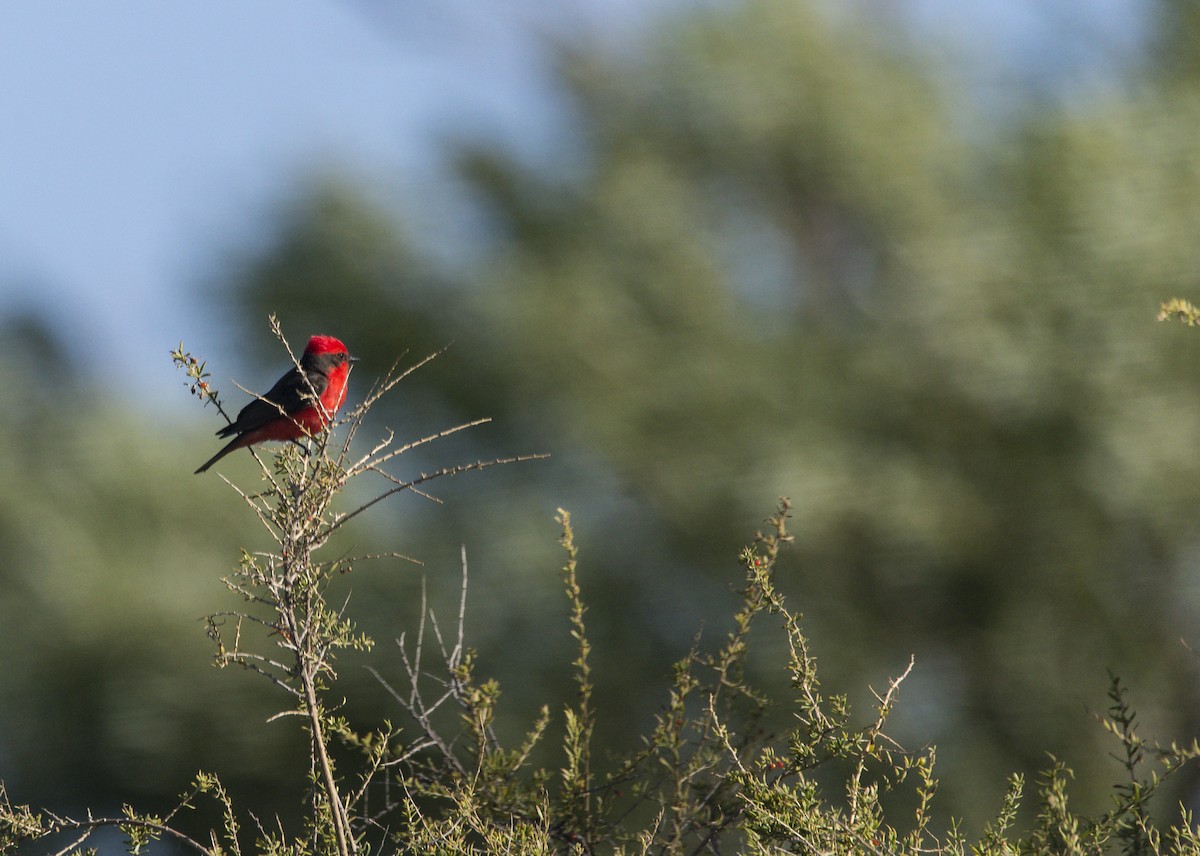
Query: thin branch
[
  {"x": 390, "y": 382},
  {"x": 462, "y": 607},
  {"x": 396, "y": 480},
  {"x": 254, "y": 667},
  {"x": 74, "y": 845},
  {"x": 92, "y": 824},
  {"x": 424, "y": 477},
  {"x": 366, "y": 463},
  {"x": 365, "y": 557},
  {"x": 264, "y": 516}
]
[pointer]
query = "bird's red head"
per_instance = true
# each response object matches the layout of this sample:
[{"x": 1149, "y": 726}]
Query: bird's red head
[{"x": 324, "y": 345}]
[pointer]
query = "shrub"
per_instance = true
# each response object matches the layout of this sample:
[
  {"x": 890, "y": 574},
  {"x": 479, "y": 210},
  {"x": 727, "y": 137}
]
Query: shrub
[{"x": 706, "y": 776}]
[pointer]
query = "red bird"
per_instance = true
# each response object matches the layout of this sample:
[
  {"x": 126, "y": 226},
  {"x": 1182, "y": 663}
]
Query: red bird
[{"x": 288, "y": 411}]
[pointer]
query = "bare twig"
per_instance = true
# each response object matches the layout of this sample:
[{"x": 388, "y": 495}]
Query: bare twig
[
  {"x": 422, "y": 479},
  {"x": 93, "y": 823}
]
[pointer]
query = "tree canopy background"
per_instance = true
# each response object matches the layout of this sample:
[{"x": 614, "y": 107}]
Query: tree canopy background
[{"x": 782, "y": 252}]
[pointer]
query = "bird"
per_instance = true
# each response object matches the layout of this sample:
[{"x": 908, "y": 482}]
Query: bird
[{"x": 288, "y": 410}]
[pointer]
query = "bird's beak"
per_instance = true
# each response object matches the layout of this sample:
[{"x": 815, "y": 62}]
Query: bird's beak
[{"x": 352, "y": 359}]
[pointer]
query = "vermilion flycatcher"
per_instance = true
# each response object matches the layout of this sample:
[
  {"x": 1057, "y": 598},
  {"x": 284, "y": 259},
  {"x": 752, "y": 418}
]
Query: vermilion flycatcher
[{"x": 288, "y": 411}]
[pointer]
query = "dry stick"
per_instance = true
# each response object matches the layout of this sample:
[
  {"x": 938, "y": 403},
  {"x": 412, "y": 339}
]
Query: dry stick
[
  {"x": 308, "y": 664},
  {"x": 424, "y": 477},
  {"x": 390, "y": 381},
  {"x": 462, "y": 608},
  {"x": 354, "y": 418},
  {"x": 354, "y": 421},
  {"x": 307, "y": 676},
  {"x": 420, "y": 639},
  {"x": 250, "y": 661},
  {"x": 421, "y": 713},
  {"x": 341, "y": 821},
  {"x": 876, "y": 731},
  {"x": 96, "y": 823},
  {"x": 262, "y": 514},
  {"x": 415, "y": 704},
  {"x": 350, "y": 559},
  {"x": 73, "y": 847},
  {"x": 368, "y": 462},
  {"x": 399, "y": 481}
]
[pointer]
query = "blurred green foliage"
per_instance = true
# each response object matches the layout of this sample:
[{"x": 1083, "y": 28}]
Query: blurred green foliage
[
  {"x": 782, "y": 260},
  {"x": 110, "y": 560}
]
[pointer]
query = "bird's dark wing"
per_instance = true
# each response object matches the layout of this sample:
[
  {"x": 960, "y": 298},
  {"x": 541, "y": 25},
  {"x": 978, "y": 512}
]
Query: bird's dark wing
[{"x": 291, "y": 393}]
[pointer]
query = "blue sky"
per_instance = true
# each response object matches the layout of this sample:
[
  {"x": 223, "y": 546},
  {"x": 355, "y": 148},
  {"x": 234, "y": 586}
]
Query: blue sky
[{"x": 139, "y": 139}]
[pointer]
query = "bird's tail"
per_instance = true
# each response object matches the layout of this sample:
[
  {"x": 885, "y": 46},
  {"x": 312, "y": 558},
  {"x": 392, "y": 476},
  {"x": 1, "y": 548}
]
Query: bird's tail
[{"x": 235, "y": 443}]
